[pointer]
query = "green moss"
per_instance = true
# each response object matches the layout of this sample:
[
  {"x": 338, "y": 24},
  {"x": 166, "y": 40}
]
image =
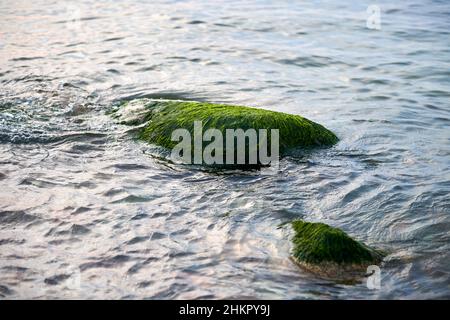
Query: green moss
[
  {"x": 168, "y": 115},
  {"x": 162, "y": 117},
  {"x": 319, "y": 244}
]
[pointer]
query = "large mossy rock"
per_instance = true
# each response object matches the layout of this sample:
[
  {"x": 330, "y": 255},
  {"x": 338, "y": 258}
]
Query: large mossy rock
[
  {"x": 162, "y": 117},
  {"x": 330, "y": 252}
]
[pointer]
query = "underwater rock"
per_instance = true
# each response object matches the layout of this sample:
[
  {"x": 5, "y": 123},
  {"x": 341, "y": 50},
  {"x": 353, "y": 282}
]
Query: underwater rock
[
  {"x": 162, "y": 117},
  {"x": 330, "y": 252}
]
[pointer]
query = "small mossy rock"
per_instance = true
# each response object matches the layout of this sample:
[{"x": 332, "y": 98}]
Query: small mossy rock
[
  {"x": 162, "y": 117},
  {"x": 330, "y": 252}
]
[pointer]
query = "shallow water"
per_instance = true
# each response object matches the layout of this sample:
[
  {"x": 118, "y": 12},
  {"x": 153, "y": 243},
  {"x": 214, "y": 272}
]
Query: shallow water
[{"x": 87, "y": 211}]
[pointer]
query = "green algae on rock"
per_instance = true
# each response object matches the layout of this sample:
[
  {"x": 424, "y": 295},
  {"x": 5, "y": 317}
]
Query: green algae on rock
[
  {"x": 162, "y": 117},
  {"x": 330, "y": 252}
]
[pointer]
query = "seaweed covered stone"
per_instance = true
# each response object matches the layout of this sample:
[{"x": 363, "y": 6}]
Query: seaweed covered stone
[
  {"x": 162, "y": 117},
  {"x": 330, "y": 252}
]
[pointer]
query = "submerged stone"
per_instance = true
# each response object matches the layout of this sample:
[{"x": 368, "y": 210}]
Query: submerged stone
[
  {"x": 162, "y": 117},
  {"x": 330, "y": 252}
]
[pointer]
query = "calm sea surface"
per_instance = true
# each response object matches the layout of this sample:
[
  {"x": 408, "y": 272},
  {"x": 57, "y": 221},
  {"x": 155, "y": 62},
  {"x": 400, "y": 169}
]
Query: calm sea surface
[{"x": 86, "y": 211}]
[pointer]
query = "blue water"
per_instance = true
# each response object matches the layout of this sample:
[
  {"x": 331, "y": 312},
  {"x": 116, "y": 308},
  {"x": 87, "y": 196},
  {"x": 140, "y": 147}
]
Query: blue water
[{"x": 86, "y": 211}]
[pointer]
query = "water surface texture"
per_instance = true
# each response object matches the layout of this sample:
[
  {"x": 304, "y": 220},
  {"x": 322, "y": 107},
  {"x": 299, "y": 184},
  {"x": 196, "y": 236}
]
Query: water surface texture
[{"x": 86, "y": 211}]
